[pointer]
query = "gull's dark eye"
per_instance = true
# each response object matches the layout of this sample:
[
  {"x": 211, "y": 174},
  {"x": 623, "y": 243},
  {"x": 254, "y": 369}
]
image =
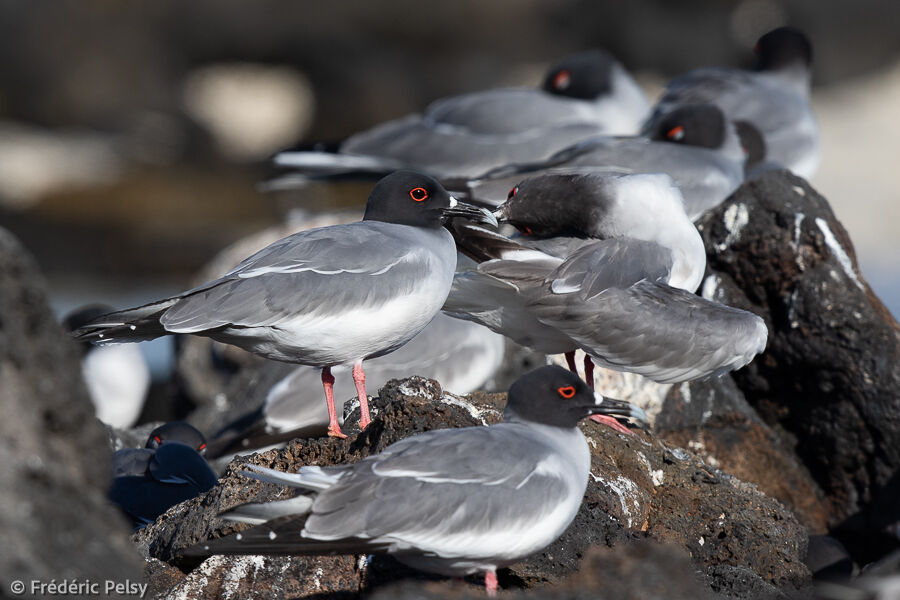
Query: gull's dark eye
[
  {"x": 512, "y": 192},
  {"x": 676, "y": 133},
  {"x": 418, "y": 194},
  {"x": 566, "y": 392},
  {"x": 562, "y": 80}
]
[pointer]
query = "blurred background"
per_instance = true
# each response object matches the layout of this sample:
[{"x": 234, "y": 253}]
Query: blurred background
[{"x": 133, "y": 135}]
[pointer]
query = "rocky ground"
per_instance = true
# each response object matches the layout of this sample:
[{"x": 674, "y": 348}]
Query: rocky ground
[{"x": 719, "y": 500}]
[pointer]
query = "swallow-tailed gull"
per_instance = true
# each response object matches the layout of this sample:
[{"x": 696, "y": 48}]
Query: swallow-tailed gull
[
  {"x": 607, "y": 264},
  {"x": 583, "y": 95},
  {"x": 323, "y": 297},
  {"x": 774, "y": 97},
  {"x": 449, "y": 501},
  {"x": 695, "y": 145},
  {"x": 170, "y": 469}
]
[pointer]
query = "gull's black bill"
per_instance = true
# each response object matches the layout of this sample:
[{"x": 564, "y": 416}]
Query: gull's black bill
[{"x": 469, "y": 211}]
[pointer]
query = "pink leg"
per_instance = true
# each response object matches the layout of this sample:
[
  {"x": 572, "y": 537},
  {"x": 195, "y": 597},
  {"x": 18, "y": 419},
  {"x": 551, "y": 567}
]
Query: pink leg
[
  {"x": 612, "y": 422},
  {"x": 359, "y": 378},
  {"x": 570, "y": 360},
  {"x": 334, "y": 428},
  {"x": 490, "y": 582},
  {"x": 589, "y": 371}
]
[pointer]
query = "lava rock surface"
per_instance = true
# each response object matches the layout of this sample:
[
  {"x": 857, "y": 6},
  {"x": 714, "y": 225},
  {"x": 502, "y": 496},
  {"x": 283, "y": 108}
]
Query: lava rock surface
[
  {"x": 829, "y": 381},
  {"x": 640, "y": 488},
  {"x": 56, "y": 522}
]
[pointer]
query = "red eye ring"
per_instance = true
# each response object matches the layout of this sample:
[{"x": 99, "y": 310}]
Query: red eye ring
[
  {"x": 157, "y": 439},
  {"x": 561, "y": 80},
  {"x": 567, "y": 391},
  {"x": 418, "y": 194},
  {"x": 201, "y": 446},
  {"x": 524, "y": 229},
  {"x": 512, "y": 192},
  {"x": 676, "y": 133}
]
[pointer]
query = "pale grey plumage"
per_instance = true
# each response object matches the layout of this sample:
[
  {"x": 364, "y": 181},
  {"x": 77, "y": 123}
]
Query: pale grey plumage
[
  {"x": 447, "y": 501},
  {"x": 468, "y": 134},
  {"x": 705, "y": 176},
  {"x": 624, "y": 300}
]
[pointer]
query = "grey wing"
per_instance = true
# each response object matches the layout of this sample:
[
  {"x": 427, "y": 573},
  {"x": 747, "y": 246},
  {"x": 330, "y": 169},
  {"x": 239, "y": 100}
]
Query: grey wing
[
  {"x": 596, "y": 267},
  {"x": 741, "y": 95},
  {"x": 312, "y": 270},
  {"x": 446, "y": 150},
  {"x": 504, "y": 111},
  {"x": 663, "y": 333},
  {"x": 445, "y": 482},
  {"x": 131, "y": 462}
]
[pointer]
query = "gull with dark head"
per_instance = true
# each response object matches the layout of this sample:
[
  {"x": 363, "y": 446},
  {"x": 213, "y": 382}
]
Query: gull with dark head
[
  {"x": 449, "y": 501},
  {"x": 583, "y": 95},
  {"x": 774, "y": 98},
  {"x": 607, "y": 264},
  {"x": 695, "y": 145},
  {"x": 323, "y": 297},
  {"x": 170, "y": 469}
]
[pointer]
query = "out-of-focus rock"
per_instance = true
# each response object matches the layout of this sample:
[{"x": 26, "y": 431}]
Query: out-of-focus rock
[
  {"x": 35, "y": 161},
  {"x": 639, "y": 488},
  {"x": 55, "y": 519},
  {"x": 252, "y": 110},
  {"x": 829, "y": 381}
]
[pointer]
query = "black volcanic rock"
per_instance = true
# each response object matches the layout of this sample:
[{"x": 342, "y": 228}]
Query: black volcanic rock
[
  {"x": 639, "y": 488},
  {"x": 713, "y": 419},
  {"x": 829, "y": 381},
  {"x": 55, "y": 519}
]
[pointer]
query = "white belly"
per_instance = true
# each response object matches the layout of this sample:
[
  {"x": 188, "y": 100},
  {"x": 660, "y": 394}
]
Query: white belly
[{"x": 323, "y": 338}]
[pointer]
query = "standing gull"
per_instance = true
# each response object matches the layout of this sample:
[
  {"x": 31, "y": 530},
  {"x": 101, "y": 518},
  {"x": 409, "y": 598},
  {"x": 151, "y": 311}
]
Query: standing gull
[
  {"x": 323, "y": 297},
  {"x": 774, "y": 98},
  {"x": 583, "y": 95},
  {"x": 449, "y": 501},
  {"x": 606, "y": 264}
]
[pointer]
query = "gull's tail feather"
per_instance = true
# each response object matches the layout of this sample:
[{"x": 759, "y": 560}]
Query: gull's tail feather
[{"x": 130, "y": 325}]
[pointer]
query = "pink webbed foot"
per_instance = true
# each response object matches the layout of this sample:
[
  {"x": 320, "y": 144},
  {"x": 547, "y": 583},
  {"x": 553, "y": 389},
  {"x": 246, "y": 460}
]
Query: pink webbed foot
[{"x": 612, "y": 422}]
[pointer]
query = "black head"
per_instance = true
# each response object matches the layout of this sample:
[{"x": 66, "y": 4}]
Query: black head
[
  {"x": 752, "y": 142},
  {"x": 781, "y": 48},
  {"x": 586, "y": 76},
  {"x": 177, "y": 431},
  {"x": 558, "y": 204},
  {"x": 410, "y": 198},
  {"x": 700, "y": 125},
  {"x": 554, "y": 396}
]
